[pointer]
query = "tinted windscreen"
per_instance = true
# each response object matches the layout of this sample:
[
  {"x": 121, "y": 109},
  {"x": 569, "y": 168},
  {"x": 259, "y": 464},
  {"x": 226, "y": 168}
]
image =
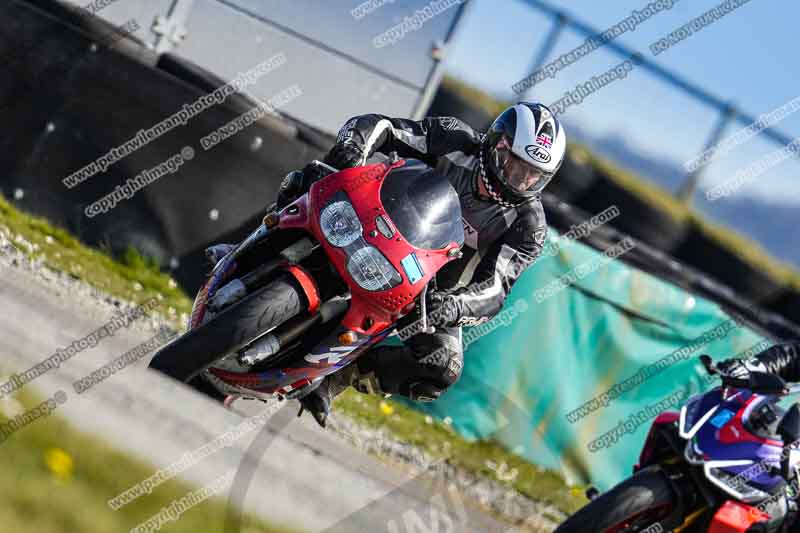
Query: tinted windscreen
[{"x": 423, "y": 205}]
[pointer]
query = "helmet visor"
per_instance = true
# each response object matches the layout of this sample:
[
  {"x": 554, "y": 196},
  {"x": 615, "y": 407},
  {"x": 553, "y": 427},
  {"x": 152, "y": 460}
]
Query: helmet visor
[{"x": 518, "y": 175}]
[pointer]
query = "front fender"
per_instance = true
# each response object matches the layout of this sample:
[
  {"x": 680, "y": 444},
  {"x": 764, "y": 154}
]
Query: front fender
[{"x": 656, "y": 440}]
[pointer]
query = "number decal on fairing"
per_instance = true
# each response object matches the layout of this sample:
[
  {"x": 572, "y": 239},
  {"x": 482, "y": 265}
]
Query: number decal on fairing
[{"x": 336, "y": 354}]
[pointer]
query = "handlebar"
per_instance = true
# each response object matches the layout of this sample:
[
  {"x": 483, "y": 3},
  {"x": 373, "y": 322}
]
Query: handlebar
[
  {"x": 757, "y": 382},
  {"x": 325, "y": 166}
]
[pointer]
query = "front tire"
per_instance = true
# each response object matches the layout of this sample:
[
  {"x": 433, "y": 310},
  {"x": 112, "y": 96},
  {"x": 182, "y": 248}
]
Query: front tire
[
  {"x": 231, "y": 330},
  {"x": 634, "y": 505}
]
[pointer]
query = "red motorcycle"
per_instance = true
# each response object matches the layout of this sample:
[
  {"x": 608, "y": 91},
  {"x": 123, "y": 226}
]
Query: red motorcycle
[{"x": 318, "y": 282}]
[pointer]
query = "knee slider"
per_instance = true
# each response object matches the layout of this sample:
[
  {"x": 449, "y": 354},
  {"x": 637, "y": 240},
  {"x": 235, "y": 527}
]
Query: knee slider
[
  {"x": 445, "y": 363},
  {"x": 453, "y": 371},
  {"x": 425, "y": 391}
]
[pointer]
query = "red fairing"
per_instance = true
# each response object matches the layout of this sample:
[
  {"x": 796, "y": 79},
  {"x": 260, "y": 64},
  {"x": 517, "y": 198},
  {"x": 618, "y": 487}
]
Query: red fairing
[
  {"x": 736, "y": 517},
  {"x": 299, "y": 219},
  {"x": 667, "y": 417},
  {"x": 371, "y": 314},
  {"x": 362, "y": 185},
  {"x": 735, "y": 432}
]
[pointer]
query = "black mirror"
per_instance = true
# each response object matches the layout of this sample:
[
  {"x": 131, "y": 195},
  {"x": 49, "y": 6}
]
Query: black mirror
[
  {"x": 763, "y": 383},
  {"x": 708, "y": 364},
  {"x": 789, "y": 430}
]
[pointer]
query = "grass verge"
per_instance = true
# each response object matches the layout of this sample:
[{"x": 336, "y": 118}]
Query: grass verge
[
  {"x": 58, "y": 480},
  {"x": 133, "y": 278},
  {"x": 439, "y": 441}
]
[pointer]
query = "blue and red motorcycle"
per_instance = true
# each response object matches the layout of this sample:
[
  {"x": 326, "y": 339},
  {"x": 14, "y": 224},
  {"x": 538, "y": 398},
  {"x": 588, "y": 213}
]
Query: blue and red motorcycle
[{"x": 726, "y": 463}]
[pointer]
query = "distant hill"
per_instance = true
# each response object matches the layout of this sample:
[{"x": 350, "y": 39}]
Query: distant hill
[{"x": 767, "y": 223}]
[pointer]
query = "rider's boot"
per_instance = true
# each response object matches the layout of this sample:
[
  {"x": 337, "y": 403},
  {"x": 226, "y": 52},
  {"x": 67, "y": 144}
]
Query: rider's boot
[{"x": 318, "y": 401}]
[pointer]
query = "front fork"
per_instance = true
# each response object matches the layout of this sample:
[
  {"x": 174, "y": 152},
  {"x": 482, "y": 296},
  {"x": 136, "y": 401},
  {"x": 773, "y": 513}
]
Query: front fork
[
  {"x": 423, "y": 309},
  {"x": 221, "y": 272},
  {"x": 218, "y": 293}
]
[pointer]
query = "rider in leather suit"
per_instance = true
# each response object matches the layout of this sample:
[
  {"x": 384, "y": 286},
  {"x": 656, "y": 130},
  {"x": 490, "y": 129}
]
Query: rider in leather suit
[{"x": 499, "y": 177}]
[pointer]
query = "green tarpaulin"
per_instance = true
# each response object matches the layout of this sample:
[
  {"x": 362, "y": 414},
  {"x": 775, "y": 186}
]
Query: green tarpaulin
[{"x": 530, "y": 374}]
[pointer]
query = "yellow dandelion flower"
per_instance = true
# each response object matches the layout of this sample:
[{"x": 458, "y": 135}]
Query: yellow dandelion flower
[
  {"x": 386, "y": 408},
  {"x": 59, "y": 463}
]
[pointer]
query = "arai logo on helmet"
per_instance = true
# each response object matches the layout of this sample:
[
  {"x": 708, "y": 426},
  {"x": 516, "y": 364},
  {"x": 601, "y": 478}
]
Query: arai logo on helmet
[{"x": 538, "y": 153}]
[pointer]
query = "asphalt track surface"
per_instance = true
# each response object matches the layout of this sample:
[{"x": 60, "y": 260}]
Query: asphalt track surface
[{"x": 288, "y": 472}]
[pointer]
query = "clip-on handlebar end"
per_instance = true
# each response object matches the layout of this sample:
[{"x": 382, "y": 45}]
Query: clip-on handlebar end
[{"x": 330, "y": 169}]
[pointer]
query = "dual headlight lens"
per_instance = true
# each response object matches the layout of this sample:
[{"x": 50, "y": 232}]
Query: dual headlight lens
[
  {"x": 737, "y": 486},
  {"x": 371, "y": 270},
  {"x": 339, "y": 223},
  {"x": 365, "y": 263}
]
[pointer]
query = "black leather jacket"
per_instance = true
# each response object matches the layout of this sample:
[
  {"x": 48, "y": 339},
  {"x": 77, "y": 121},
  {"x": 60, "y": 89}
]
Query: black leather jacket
[{"x": 500, "y": 242}]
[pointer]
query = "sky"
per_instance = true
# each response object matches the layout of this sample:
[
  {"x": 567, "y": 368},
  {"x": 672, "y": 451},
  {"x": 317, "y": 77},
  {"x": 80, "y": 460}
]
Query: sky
[{"x": 748, "y": 57}]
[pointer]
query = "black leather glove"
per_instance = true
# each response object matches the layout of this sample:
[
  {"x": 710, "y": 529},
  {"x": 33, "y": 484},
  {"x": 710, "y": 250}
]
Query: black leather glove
[
  {"x": 442, "y": 309},
  {"x": 740, "y": 368},
  {"x": 311, "y": 174},
  {"x": 290, "y": 189},
  {"x": 344, "y": 155},
  {"x": 297, "y": 183},
  {"x": 736, "y": 372}
]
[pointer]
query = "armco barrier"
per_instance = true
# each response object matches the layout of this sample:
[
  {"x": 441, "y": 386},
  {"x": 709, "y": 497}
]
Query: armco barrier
[
  {"x": 639, "y": 219},
  {"x": 730, "y": 268},
  {"x": 788, "y": 304},
  {"x": 575, "y": 178}
]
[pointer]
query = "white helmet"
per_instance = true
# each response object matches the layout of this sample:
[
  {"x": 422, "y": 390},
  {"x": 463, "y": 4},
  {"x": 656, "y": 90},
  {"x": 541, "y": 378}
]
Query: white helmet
[{"x": 524, "y": 148}]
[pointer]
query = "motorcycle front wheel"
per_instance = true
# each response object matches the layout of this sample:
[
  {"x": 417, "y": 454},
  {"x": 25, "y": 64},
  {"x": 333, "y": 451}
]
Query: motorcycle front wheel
[
  {"x": 232, "y": 329},
  {"x": 638, "y": 503}
]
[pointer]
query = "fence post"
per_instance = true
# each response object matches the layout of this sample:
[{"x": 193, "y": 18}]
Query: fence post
[
  {"x": 171, "y": 28},
  {"x": 689, "y": 186},
  {"x": 559, "y": 21}
]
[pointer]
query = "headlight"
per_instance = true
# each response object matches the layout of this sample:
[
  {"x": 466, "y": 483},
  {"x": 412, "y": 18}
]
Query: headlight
[
  {"x": 371, "y": 270},
  {"x": 339, "y": 223},
  {"x": 736, "y": 486}
]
